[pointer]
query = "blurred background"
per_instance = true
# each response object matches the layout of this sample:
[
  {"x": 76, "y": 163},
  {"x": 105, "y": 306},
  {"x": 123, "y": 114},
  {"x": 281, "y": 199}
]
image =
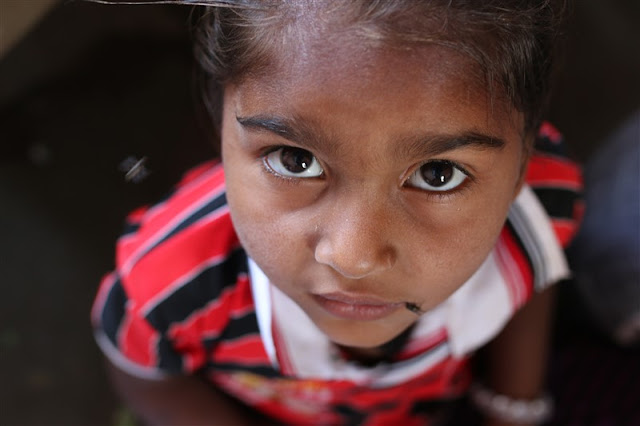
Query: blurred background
[{"x": 85, "y": 87}]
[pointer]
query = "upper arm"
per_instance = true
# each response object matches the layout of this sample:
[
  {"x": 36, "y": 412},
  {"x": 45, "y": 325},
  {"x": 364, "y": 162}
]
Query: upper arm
[{"x": 517, "y": 357}]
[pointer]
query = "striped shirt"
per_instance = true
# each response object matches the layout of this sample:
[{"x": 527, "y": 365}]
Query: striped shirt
[{"x": 185, "y": 299}]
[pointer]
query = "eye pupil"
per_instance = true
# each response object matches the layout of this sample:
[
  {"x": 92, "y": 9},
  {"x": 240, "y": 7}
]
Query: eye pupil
[
  {"x": 437, "y": 173},
  {"x": 296, "y": 160}
]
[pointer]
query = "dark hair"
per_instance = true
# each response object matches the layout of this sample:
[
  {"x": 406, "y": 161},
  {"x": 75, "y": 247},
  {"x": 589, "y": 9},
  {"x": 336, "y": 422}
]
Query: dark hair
[{"x": 512, "y": 41}]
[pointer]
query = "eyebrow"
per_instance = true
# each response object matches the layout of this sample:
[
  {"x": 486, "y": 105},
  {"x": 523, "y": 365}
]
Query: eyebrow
[
  {"x": 291, "y": 129},
  {"x": 422, "y": 146},
  {"x": 441, "y": 143}
]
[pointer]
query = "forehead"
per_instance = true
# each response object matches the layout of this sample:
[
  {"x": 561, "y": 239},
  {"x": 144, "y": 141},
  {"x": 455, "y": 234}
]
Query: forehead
[
  {"x": 354, "y": 79},
  {"x": 323, "y": 64}
]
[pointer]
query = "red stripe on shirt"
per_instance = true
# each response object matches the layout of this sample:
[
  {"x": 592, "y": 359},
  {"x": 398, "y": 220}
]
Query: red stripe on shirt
[
  {"x": 564, "y": 229},
  {"x": 206, "y": 323},
  {"x": 548, "y": 131},
  {"x": 551, "y": 171},
  {"x": 171, "y": 263},
  {"x": 161, "y": 219},
  {"x": 137, "y": 215},
  {"x": 138, "y": 340},
  {"x": 196, "y": 173},
  {"x": 448, "y": 379},
  {"x": 209, "y": 321},
  {"x": 241, "y": 302},
  {"x": 246, "y": 350}
]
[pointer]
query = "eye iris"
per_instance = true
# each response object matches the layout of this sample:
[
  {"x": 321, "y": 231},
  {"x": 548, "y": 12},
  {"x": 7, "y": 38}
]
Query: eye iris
[
  {"x": 296, "y": 160},
  {"x": 437, "y": 174}
]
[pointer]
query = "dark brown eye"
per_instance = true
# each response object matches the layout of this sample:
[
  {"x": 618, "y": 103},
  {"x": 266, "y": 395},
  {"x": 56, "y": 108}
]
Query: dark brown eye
[
  {"x": 437, "y": 175},
  {"x": 293, "y": 162},
  {"x": 296, "y": 160}
]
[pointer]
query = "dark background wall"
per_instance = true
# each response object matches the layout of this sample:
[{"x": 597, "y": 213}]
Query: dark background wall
[
  {"x": 91, "y": 85},
  {"x": 599, "y": 83}
]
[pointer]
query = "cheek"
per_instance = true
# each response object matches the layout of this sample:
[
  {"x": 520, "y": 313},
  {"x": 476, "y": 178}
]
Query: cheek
[
  {"x": 264, "y": 212},
  {"x": 269, "y": 237},
  {"x": 449, "y": 259},
  {"x": 252, "y": 219},
  {"x": 458, "y": 249},
  {"x": 451, "y": 243}
]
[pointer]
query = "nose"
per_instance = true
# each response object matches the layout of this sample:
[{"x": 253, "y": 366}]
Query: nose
[{"x": 354, "y": 243}]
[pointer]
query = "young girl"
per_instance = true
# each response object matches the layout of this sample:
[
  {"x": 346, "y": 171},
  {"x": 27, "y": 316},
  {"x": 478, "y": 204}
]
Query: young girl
[{"x": 381, "y": 212}]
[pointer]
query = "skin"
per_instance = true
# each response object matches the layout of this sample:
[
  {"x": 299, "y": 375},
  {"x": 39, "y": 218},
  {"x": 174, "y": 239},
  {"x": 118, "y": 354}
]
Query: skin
[
  {"x": 517, "y": 356},
  {"x": 362, "y": 228}
]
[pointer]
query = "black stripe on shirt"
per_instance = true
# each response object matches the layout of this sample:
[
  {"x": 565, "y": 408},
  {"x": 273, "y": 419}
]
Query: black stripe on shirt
[
  {"x": 558, "y": 202},
  {"x": 209, "y": 207},
  {"x": 130, "y": 228},
  {"x": 113, "y": 311},
  {"x": 200, "y": 291},
  {"x": 236, "y": 328},
  {"x": 264, "y": 370},
  {"x": 168, "y": 358},
  {"x": 241, "y": 326},
  {"x": 546, "y": 146}
]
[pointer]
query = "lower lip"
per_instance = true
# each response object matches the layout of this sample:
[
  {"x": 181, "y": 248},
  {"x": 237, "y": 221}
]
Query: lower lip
[{"x": 355, "y": 310}]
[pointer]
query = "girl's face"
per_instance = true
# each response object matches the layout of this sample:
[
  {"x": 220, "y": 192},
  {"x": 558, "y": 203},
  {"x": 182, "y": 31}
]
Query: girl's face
[{"x": 360, "y": 179}]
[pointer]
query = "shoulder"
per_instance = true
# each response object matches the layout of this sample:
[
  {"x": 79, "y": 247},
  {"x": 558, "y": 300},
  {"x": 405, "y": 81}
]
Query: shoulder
[
  {"x": 198, "y": 201},
  {"x": 180, "y": 271},
  {"x": 556, "y": 180},
  {"x": 529, "y": 253},
  {"x": 183, "y": 242},
  {"x": 546, "y": 214}
]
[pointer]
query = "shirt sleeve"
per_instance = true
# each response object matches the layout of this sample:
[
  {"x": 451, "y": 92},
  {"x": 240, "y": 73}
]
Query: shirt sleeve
[
  {"x": 121, "y": 328},
  {"x": 529, "y": 253},
  {"x": 175, "y": 282},
  {"x": 112, "y": 320}
]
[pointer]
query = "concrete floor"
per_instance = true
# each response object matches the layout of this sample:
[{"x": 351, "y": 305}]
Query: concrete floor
[{"x": 93, "y": 85}]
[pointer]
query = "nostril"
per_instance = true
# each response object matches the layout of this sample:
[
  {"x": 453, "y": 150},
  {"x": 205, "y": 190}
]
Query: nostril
[{"x": 352, "y": 260}]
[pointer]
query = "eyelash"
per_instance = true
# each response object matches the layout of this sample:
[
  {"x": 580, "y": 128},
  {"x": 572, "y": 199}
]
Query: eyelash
[
  {"x": 442, "y": 195},
  {"x": 288, "y": 180}
]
